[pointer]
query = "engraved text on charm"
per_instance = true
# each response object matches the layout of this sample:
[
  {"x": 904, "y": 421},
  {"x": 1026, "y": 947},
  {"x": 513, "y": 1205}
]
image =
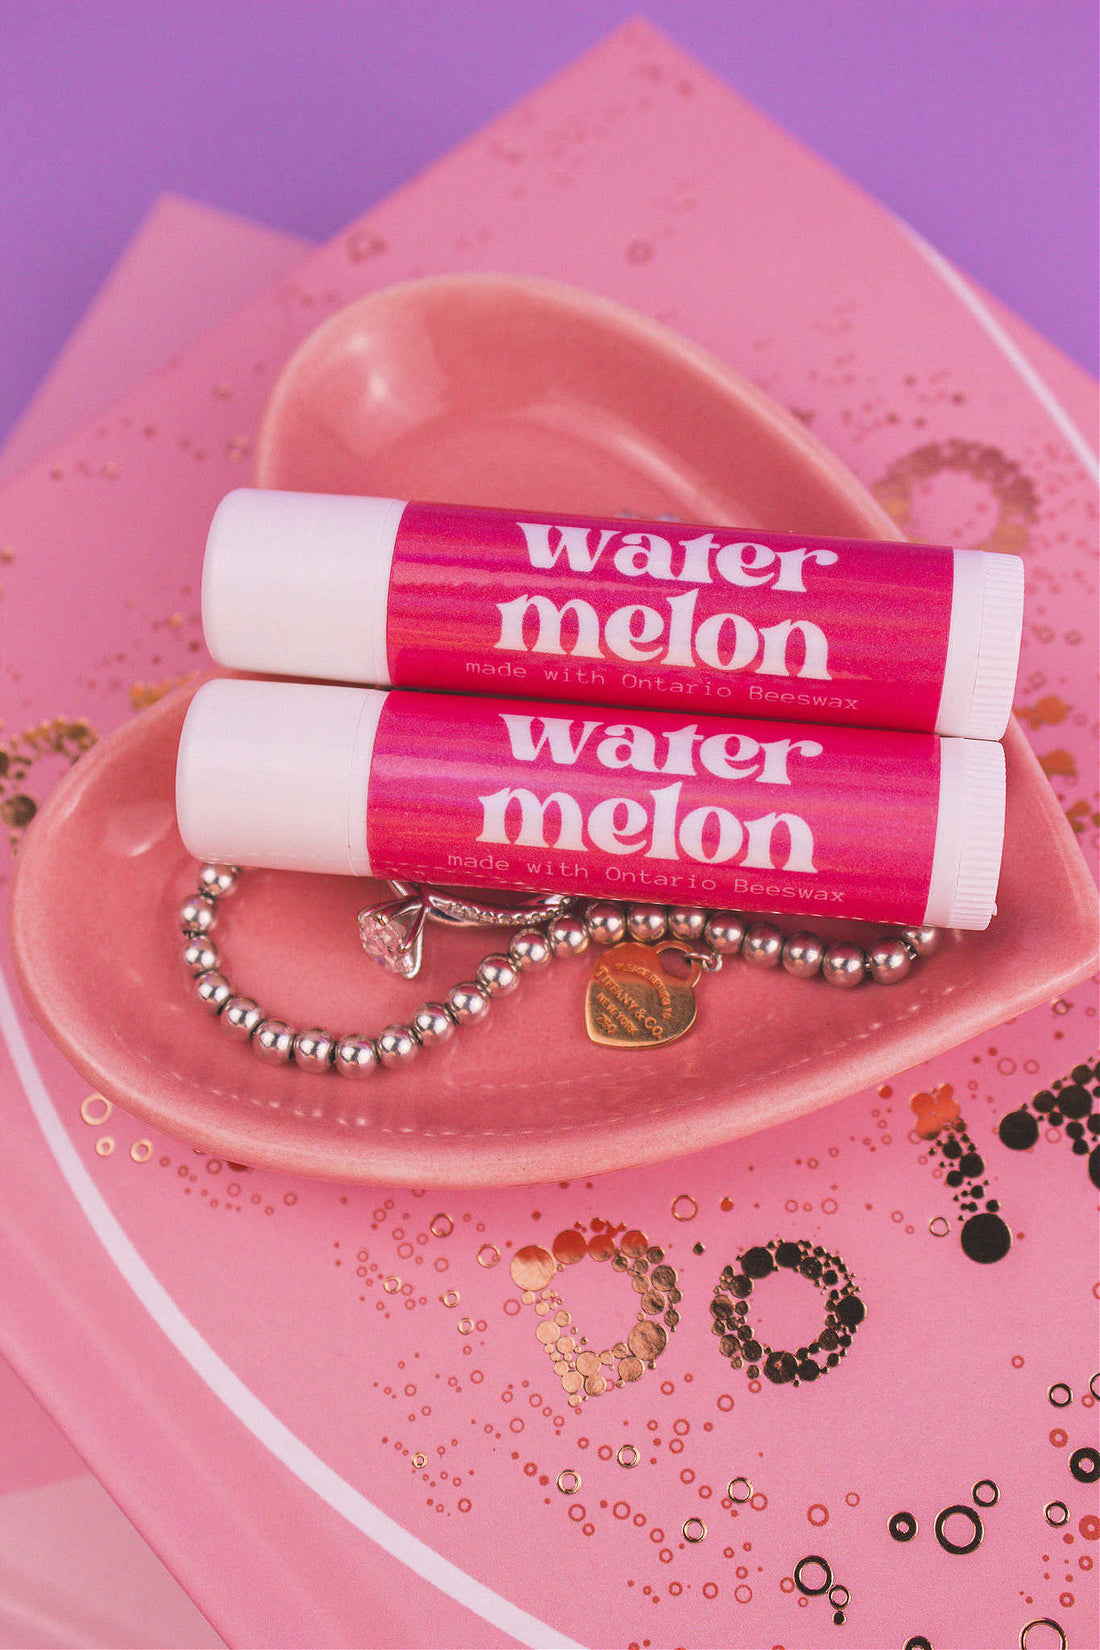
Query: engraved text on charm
[{"x": 633, "y": 1003}]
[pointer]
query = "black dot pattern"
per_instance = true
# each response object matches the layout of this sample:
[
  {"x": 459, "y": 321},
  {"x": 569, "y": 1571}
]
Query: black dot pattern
[
  {"x": 984, "y": 1236},
  {"x": 844, "y": 1312},
  {"x": 1084, "y": 1464},
  {"x": 1072, "y": 1104}
]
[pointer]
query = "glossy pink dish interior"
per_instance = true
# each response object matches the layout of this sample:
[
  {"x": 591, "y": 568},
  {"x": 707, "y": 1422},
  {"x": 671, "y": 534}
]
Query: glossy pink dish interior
[{"x": 489, "y": 390}]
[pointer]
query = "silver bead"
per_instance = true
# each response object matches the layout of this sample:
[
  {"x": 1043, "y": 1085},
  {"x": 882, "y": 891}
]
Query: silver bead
[
  {"x": 200, "y": 955},
  {"x": 802, "y": 955},
  {"x": 273, "y": 1041},
  {"x": 218, "y": 881},
  {"x": 924, "y": 942},
  {"x": 763, "y": 945},
  {"x": 844, "y": 965},
  {"x": 240, "y": 1017},
  {"x": 605, "y": 923},
  {"x": 724, "y": 932},
  {"x": 686, "y": 922},
  {"x": 432, "y": 1024},
  {"x": 568, "y": 937},
  {"x": 314, "y": 1049},
  {"x": 214, "y": 991},
  {"x": 529, "y": 949},
  {"x": 356, "y": 1056},
  {"x": 889, "y": 961},
  {"x": 468, "y": 1002},
  {"x": 198, "y": 914},
  {"x": 397, "y": 1046},
  {"x": 647, "y": 923},
  {"x": 497, "y": 975}
]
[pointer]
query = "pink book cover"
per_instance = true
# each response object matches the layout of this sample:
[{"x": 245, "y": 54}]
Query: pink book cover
[
  {"x": 74, "y": 1571},
  {"x": 226, "y": 1347}
]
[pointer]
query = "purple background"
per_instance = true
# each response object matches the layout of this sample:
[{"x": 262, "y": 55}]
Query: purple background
[{"x": 975, "y": 120}]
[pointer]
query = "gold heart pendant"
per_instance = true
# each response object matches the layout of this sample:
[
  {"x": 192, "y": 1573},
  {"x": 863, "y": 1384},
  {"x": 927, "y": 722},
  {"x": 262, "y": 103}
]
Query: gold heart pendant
[{"x": 633, "y": 1002}]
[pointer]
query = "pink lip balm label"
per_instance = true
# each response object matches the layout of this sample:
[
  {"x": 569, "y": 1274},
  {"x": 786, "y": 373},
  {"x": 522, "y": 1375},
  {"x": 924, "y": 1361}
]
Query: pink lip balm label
[
  {"x": 677, "y": 809},
  {"x": 643, "y": 613}
]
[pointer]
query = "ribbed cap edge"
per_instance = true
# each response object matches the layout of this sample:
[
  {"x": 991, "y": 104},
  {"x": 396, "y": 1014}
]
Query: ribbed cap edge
[
  {"x": 998, "y": 647},
  {"x": 981, "y": 834}
]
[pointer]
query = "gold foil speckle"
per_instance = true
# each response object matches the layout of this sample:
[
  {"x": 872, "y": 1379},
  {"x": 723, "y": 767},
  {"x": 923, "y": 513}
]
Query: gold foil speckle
[
  {"x": 601, "y": 1246},
  {"x": 531, "y": 1268},
  {"x": 569, "y": 1247},
  {"x": 647, "y": 1341},
  {"x": 144, "y": 694},
  {"x": 95, "y": 1110}
]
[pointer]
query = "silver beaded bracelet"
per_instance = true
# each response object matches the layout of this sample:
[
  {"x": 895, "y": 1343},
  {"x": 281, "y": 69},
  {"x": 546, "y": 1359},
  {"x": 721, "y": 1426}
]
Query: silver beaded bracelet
[{"x": 547, "y": 927}]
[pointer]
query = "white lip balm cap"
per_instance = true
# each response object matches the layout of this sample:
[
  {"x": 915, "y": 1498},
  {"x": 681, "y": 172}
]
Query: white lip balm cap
[
  {"x": 299, "y": 582},
  {"x": 276, "y": 774},
  {"x": 966, "y": 861},
  {"x": 983, "y": 649}
]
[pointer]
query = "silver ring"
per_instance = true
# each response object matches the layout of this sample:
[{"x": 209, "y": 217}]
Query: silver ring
[{"x": 440, "y": 906}]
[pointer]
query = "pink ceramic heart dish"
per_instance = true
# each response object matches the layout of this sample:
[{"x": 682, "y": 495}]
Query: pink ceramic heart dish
[{"x": 487, "y": 390}]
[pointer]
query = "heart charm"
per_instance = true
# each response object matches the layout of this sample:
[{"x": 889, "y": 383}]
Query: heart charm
[
  {"x": 633, "y": 1003},
  {"x": 393, "y": 935}
]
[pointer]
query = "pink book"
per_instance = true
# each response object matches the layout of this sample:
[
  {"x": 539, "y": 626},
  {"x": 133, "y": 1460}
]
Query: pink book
[
  {"x": 74, "y": 1570},
  {"x": 343, "y": 1388}
]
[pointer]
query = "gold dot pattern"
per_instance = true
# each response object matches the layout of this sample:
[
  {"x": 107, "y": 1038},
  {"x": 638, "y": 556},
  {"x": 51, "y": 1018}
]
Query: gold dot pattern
[{"x": 582, "y": 1371}]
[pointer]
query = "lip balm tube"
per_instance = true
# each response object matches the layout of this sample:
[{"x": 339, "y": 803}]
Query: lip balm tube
[
  {"x": 642, "y": 613},
  {"x": 670, "y": 808}
]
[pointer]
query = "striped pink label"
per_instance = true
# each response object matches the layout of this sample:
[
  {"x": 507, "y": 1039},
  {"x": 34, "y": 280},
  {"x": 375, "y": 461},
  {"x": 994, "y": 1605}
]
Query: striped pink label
[
  {"x": 717, "y": 620},
  {"x": 756, "y": 816}
]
